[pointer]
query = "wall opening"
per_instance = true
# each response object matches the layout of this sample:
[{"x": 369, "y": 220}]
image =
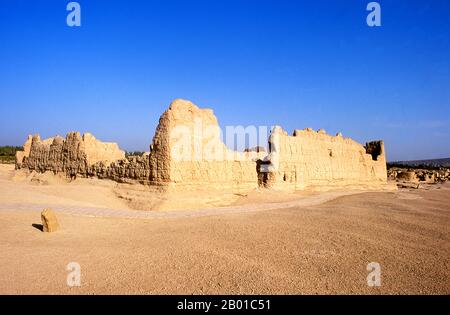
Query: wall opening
[
  {"x": 374, "y": 148},
  {"x": 263, "y": 177}
]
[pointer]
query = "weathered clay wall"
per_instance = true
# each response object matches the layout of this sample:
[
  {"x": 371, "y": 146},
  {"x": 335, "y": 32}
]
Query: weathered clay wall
[
  {"x": 187, "y": 152},
  {"x": 79, "y": 155},
  {"x": 130, "y": 170},
  {"x": 316, "y": 159}
]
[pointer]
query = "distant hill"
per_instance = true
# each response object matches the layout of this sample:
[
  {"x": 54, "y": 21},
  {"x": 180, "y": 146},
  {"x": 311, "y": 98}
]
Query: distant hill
[{"x": 435, "y": 163}]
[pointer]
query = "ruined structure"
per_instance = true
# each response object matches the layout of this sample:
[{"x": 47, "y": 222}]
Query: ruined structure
[
  {"x": 187, "y": 152},
  {"x": 74, "y": 155},
  {"x": 414, "y": 177},
  {"x": 316, "y": 159}
]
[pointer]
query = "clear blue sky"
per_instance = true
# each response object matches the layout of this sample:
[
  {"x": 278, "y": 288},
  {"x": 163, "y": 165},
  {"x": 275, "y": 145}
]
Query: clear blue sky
[{"x": 298, "y": 64}]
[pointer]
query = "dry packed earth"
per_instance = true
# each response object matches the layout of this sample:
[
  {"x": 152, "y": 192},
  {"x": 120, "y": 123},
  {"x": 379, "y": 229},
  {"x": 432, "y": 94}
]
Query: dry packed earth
[{"x": 315, "y": 244}]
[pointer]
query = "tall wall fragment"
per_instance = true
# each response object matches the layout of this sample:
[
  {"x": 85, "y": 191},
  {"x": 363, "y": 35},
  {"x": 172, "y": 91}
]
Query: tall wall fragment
[
  {"x": 187, "y": 152},
  {"x": 316, "y": 159}
]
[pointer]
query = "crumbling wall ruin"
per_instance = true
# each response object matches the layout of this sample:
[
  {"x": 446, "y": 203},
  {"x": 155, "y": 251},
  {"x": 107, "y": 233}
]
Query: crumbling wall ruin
[
  {"x": 318, "y": 160},
  {"x": 74, "y": 155},
  {"x": 187, "y": 153},
  {"x": 415, "y": 177}
]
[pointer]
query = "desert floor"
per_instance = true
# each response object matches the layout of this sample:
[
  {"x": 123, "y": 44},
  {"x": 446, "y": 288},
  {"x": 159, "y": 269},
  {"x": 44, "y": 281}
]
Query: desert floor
[{"x": 303, "y": 244}]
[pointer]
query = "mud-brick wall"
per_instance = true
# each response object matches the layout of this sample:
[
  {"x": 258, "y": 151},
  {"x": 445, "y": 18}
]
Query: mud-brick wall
[
  {"x": 188, "y": 153},
  {"x": 310, "y": 158},
  {"x": 82, "y": 156}
]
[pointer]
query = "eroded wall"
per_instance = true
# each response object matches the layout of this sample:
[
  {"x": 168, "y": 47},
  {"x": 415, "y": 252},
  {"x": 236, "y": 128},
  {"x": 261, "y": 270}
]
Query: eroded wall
[
  {"x": 311, "y": 159},
  {"x": 79, "y": 155},
  {"x": 188, "y": 153}
]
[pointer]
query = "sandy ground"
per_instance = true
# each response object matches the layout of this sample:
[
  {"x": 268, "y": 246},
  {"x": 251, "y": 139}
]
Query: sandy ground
[{"x": 306, "y": 248}]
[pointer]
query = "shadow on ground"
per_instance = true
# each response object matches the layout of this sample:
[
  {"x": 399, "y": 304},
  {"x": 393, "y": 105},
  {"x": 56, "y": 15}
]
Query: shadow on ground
[{"x": 40, "y": 227}]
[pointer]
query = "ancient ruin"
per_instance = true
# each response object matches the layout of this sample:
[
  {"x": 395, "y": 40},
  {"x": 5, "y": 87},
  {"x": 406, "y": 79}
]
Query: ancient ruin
[
  {"x": 316, "y": 159},
  {"x": 416, "y": 177},
  {"x": 187, "y": 152}
]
